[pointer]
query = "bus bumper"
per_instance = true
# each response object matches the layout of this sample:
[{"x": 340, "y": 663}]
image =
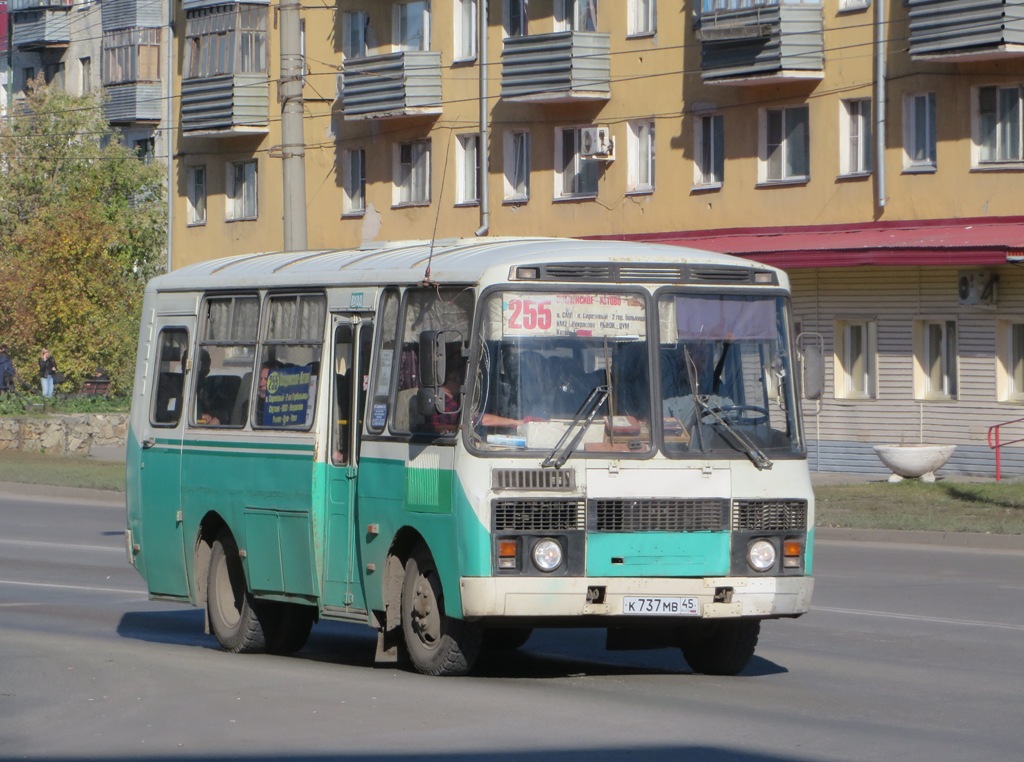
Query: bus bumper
[{"x": 717, "y": 597}]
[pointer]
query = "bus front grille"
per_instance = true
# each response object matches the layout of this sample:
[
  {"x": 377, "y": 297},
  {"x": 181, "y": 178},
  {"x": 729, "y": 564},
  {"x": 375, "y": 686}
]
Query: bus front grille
[
  {"x": 769, "y": 515},
  {"x": 532, "y": 479},
  {"x": 658, "y": 515},
  {"x": 538, "y": 515}
]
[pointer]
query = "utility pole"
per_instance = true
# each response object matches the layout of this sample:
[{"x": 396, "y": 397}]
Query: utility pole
[{"x": 293, "y": 138}]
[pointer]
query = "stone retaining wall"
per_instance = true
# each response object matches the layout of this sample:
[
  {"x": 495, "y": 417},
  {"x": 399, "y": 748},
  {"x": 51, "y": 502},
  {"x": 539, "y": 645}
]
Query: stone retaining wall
[{"x": 64, "y": 434}]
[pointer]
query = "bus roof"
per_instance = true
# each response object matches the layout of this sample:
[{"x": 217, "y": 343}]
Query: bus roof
[{"x": 449, "y": 261}]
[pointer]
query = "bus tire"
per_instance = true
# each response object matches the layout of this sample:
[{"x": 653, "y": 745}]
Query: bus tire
[
  {"x": 437, "y": 644},
  {"x": 720, "y": 647},
  {"x": 286, "y": 626},
  {"x": 229, "y": 604}
]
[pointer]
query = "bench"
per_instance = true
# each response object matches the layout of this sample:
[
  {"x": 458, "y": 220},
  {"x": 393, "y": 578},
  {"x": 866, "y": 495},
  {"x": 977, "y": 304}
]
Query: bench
[{"x": 95, "y": 387}]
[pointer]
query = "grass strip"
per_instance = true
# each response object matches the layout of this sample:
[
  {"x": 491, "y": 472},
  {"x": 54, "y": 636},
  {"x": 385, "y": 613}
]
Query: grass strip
[{"x": 53, "y": 470}]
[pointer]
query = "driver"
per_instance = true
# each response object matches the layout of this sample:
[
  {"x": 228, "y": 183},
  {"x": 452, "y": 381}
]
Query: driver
[{"x": 695, "y": 362}]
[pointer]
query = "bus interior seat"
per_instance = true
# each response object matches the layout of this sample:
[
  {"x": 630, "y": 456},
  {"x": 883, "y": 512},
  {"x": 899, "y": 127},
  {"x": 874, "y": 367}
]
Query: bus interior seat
[
  {"x": 240, "y": 412},
  {"x": 407, "y": 412},
  {"x": 219, "y": 395}
]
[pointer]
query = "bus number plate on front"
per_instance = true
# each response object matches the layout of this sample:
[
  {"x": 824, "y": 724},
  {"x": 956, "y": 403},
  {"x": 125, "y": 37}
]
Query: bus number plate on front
[{"x": 661, "y": 605}]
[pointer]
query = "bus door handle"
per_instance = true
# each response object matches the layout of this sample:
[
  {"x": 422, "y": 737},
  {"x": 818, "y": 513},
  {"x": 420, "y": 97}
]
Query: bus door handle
[{"x": 147, "y": 443}]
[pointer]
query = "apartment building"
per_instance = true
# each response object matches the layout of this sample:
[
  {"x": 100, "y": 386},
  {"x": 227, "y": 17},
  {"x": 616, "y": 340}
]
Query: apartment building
[{"x": 872, "y": 149}]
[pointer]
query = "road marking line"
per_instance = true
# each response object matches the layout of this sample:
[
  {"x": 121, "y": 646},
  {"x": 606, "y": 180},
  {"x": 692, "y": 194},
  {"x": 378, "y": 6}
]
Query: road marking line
[
  {"x": 72, "y": 587},
  {"x": 920, "y": 618}
]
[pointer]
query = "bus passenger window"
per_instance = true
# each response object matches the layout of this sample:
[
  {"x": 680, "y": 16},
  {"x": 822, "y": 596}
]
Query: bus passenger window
[{"x": 170, "y": 383}]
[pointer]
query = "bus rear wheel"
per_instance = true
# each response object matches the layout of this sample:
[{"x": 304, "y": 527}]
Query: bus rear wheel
[
  {"x": 437, "y": 644},
  {"x": 229, "y": 603},
  {"x": 720, "y": 647}
]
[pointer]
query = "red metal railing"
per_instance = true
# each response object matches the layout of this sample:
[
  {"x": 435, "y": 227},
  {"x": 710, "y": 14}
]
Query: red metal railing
[{"x": 996, "y": 444}]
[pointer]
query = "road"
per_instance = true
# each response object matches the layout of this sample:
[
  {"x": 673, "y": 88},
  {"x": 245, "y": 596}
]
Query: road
[{"x": 912, "y": 652}]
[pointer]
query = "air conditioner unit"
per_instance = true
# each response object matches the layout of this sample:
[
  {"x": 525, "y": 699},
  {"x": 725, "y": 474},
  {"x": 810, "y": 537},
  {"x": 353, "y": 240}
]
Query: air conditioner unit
[
  {"x": 597, "y": 142},
  {"x": 976, "y": 287}
]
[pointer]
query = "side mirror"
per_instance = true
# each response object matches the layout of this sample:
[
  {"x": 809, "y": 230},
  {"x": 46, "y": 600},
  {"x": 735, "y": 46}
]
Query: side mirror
[
  {"x": 432, "y": 358},
  {"x": 812, "y": 352}
]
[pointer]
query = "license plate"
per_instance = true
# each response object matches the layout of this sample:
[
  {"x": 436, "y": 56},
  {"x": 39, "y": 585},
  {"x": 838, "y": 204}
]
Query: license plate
[{"x": 661, "y": 605}]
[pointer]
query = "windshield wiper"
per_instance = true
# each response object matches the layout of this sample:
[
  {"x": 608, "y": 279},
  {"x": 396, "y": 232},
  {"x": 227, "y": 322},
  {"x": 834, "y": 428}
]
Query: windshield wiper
[
  {"x": 587, "y": 410},
  {"x": 757, "y": 457}
]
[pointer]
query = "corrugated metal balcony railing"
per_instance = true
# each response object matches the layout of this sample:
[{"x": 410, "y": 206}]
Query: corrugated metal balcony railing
[
  {"x": 971, "y": 29},
  {"x": 762, "y": 45},
  {"x": 225, "y": 105},
  {"x": 562, "y": 66},
  {"x": 405, "y": 83},
  {"x": 40, "y": 29},
  {"x": 133, "y": 102}
]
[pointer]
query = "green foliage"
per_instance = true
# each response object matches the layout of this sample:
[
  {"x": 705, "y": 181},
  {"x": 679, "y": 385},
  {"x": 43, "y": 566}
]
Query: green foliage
[
  {"x": 21, "y": 402},
  {"x": 82, "y": 226}
]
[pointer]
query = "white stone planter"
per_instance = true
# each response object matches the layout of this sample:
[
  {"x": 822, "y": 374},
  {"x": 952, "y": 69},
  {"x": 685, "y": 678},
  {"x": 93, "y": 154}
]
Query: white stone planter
[{"x": 919, "y": 461}]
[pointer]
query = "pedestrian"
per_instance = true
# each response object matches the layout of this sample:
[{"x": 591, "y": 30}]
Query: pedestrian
[
  {"x": 6, "y": 370},
  {"x": 47, "y": 370}
]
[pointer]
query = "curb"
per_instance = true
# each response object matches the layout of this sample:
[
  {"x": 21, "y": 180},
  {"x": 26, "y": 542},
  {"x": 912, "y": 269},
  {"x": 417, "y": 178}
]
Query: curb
[
  {"x": 63, "y": 493},
  {"x": 959, "y": 540}
]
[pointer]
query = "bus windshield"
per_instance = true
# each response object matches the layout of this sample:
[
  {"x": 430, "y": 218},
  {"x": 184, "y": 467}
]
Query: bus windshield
[{"x": 568, "y": 372}]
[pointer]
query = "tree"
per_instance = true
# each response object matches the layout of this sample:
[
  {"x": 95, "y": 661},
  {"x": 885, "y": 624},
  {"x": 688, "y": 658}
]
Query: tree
[{"x": 82, "y": 228}]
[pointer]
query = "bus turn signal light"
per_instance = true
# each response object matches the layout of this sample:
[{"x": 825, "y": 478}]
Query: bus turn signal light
[
  {"x": 791, "y": 552},
  {"x": 507, "y": 552}
]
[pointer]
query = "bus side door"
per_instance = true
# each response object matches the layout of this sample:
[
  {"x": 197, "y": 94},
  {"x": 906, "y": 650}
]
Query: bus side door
[
  {"x": 353, "y": 339},
  {"x": 162, "y": 537}
]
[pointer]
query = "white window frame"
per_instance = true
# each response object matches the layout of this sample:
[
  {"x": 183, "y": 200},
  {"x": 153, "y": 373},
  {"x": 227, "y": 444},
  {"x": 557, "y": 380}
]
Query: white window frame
[
  {"x": 936, "y": 374},
  {"x": 467, "y": 162},
  {"x": 353, "y": 180},
  {"x": 855, "y": 136},
  {"x": 919, "y": 139},
  {"x": 643, "y": 18},
  {"x": 354, "y": 27},
  {"x": 196, "y": 196},
  {"x": 406, "y": 35},
  {"x": 516, "y": 160},
  {"x": 242, "y": 190},
  {"x": 466, "y": 28},
  {"x": 1010, "y": 360},
  {"x": 846, "y": 6},
  {"x": 517, "y": 18},
  {"x": 999, "y": 133},
  {"x": 575, "y": 15},
  {"x": 574, "y": 173},
  {"x": 856, "y": 358},
  {"x": 412, "y": 174},
  {"x": 640, "y": 147},
  {"x": 709, "y": 151},
  {"x": 782, "y": 154}
]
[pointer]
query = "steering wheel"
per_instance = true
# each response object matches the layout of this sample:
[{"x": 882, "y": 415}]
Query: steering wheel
[{"x": 740, "y": 415}]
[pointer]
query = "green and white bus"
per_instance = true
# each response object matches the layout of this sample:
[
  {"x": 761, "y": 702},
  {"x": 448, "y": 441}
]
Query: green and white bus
[{"x": 458, "y": 442}]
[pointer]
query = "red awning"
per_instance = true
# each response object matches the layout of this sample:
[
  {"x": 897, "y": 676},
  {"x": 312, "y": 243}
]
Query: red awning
[{"x": 976, "y": 242}]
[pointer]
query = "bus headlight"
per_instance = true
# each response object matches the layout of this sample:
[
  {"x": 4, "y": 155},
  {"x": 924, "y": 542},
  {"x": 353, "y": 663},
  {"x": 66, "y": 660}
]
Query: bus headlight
[
  {"x": 547, "y": 555},
  {"x": 761, "y": 555}
]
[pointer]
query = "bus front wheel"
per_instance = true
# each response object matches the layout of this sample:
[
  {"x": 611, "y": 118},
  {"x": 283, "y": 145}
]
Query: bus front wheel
[
  {"x": 437, "y": 644},
  {"x": 720, "y": 647},
  {"x": 229, "y": 603}
]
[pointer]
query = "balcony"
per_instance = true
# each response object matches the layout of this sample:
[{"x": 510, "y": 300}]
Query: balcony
[
  {"x": 971, "y": 30},
  {"x": 127, "y": 14},
  {"x": 226, "y": 105},
  {"x": 133, "y": 102},
  {"x": 767, "y": 44},
  {"x": 40, "y": 29},
  {"x": 556, "y": 67},
  {"x": 393, "y": 85},
  {"x": 17, "y": 6}
]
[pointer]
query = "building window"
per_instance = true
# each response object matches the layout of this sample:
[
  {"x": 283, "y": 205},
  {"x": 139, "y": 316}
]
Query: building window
[
  {"x": 86, "y": 69},
  {"x": 241, "y": 190},
  {"x": 197, "y": 195},
  {"x": 516, "y": 18},
  {"x": 131, "y": 55},
  {"x": 229, "y": 39},
  {"x": 576, "y": 174},
  {"x": 1010, "y": 368},
  {"x": 935, "y": 356},
  {"x": 53, "y": 73},
  {"x": 465, "y": 30},
  {"x": 575, "y": 15},
  {"x": 856, "y": 343},
  {"x": 643, "y": 18},
  {"x": 709, "y": 167},
  {"x": 998, "y": 125},
  {"x": 855, "y": 137},
  {"x": 412, "y": 173},
  {"x": 641, "y": 157},
  {"x": 145, "y": 149},
  {"x": 517, "y": 165},
  {"x": 354, "y": 182},
  {"x": 28, "y": 74},
  {"x": 854, "y": 5},
  {"x": 354, "y": 25},
  {"x": 412, "y": 26},
  {"x": 919, "y": 132},
  {"x": 467, "y": 157},
  {"x": 785, "y": 154}
]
